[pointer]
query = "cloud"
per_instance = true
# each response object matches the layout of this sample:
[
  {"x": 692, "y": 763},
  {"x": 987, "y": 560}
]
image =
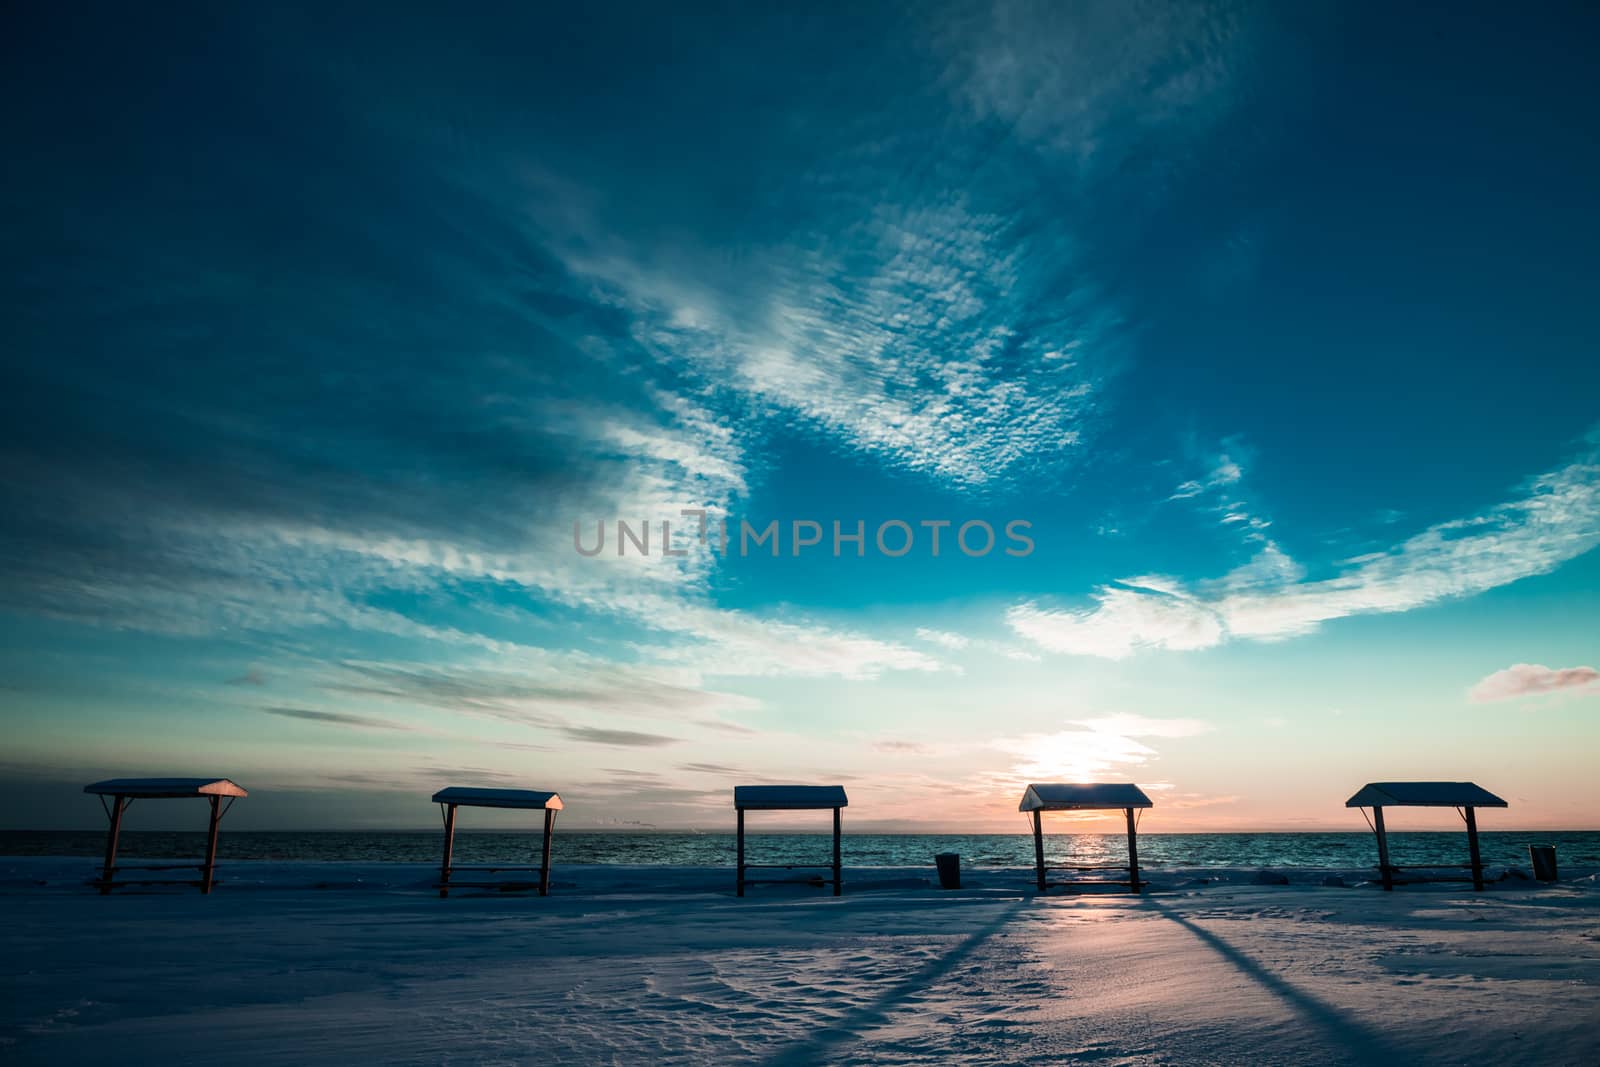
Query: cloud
[
  {"x": 710, "y": 768},
  {"x": 335, "y": 718},
  {"x": 1126, "y": 618},
  {"x": 1093, "y": 83},
  {"x": 544, "y": 694},
  {"x": 1141, "y": 726},
  {"x": 960, "y": 328},
  {"x": 729, "y": 643},
  {"x": 1072, "y": 755},
  {"x": 901, "y": 747},
  {"x": 664, "y": 798},
  {"x": 943, "y": 638},
  {"x": 1106, "y": 748},
  {"x": 725, "y": 727},
  {"x": 1269, "y": 568},
  {"x": 620, "y": 738},
  {"x": 254, "y": 676},
  {"x": 1226, "y": 472},
  {"x": 1557, "y": 519},
  {"x": 910, "y": 331},
  {"x": 1196, "y": 800},
  {"x": 383, "y": 474},
  {"x": 957, "y": 642},
  {"x": 1533, "y": 679},
  {"x": 150, "y": 487}
]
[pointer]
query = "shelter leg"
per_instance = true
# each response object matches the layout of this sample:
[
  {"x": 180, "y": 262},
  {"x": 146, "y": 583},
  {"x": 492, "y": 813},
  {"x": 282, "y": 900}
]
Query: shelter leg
[
  {"x": 1383, "y": 849},
  {"x": 1472, "y": 846},
  {"x": 208, "y": 873},
  {"x": 449, "y": 844},
  {"x": 838, "y": 883},
  {"x": 740, "y": 860},
  {"x": 110, "y": 867},
  {"x": 1038, "y": 849},
  {"x": 544, "y": 862},
  {"x": 1133, "y": 851}
]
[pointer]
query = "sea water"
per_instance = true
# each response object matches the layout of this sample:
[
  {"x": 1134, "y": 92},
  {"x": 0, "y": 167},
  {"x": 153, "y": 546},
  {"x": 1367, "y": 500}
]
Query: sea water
[{"x": 1268, "y": 850}]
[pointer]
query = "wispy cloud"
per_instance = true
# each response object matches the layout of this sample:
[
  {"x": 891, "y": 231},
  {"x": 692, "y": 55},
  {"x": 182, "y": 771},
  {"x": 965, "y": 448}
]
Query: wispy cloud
[
  {"x": 1225, "y": 473},
  {"x": 1091, "y": 82},
  {"x": 1126, "y": 618},
  {"x": 943, "y": 638},
  {"x": 959, "y": 642},
  {"x": 1143, "y": 726},
  {"x": 1534, "y": 679},
  {"x": 726, "y": 727},
  {"x": 620, "y": 738},
  {"x": 565, "y": 685},
  {"x": 1103, "y": 748},
  {"x": 1198, "y": 800},
  {"x": 1217, "y": 493},
  {"x": 727, "y": 643},
  {"x": 1072, "y": 755},
  {"x": 719, "y": 769},
  {"x": 1557, "y": 519},
  {"x": 910, "y": 332},
  {"x": 335, "y": 718},
  {"x": 901, "y": 747}
]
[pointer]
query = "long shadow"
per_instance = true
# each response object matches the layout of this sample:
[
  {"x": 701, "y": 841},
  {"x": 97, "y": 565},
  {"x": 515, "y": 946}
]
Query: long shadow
[
  {"x": 1363, "y": 1044},
  {"x": 848, "y": 1027}
]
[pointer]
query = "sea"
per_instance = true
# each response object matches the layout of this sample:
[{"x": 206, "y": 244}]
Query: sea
[{"x": 1341, "y": 851}]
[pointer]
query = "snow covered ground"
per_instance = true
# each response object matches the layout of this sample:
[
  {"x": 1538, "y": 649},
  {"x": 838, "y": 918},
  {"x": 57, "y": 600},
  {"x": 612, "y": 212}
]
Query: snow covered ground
[{"x": 342, "y": 963}]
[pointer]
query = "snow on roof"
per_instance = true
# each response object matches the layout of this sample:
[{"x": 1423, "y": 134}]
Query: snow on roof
[
  {"x": 472, "y": 797},
  {"x": 1424, "y": 795},
  {"x": 166, "y": 787},
  {"x": 789, "y": 797},
  {"x": 1074, "y": 796}
]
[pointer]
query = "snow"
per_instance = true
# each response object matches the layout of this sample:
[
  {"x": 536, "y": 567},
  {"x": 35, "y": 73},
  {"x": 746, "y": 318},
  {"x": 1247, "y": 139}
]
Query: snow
[
  {"x": 788, "y": 797},
  {"x": 474, "y": 797},
  {"x": 1424, "y": 795},
  {"x": 336, "y": 963},
  {"x": 1074, "y": 796},
  {"x": 167, "y": 787}
]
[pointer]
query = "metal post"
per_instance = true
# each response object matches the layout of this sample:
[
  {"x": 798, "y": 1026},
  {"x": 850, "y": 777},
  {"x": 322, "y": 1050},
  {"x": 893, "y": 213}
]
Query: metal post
[
  {"x": 208, "y": 873},
  {"x": 1133, "y": 852},
  {"x": 1038, "y": 848},
  {"x": 111, "y": 846},
  {"x": 838, "y": 883},
  {"x": 740, "y": 876},
  {"x": 544, "y": 863},
  {"x": 449, "y": 841},
  {"x": 1383, "y": 849},
  {"x": 1472, "y": 844}
]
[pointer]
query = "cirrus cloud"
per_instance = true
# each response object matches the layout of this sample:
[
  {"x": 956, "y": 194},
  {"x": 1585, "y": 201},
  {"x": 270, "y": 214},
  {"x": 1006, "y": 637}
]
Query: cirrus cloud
[{"x": 1557, "y": 518}]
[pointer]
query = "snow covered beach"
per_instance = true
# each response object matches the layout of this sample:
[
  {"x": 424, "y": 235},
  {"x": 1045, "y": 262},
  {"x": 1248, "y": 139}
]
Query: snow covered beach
[{"x": 341, "y": 962}]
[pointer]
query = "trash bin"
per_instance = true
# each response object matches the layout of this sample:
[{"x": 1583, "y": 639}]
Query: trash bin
[
  {"x": 949, "y": 864},
  {"x": 1543, "y": 858}
]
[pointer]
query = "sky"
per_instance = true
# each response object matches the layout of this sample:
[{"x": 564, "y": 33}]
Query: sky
[{"x": 332, "y": 342}]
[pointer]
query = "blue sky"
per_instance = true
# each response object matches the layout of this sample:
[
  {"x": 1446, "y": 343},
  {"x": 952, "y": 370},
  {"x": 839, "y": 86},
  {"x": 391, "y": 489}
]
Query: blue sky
[{"x": 321, "y": 331}]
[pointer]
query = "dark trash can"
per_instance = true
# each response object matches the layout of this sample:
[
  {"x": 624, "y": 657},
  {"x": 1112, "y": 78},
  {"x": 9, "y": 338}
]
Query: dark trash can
[
  {"x": 949, "y": 864},
  {"x": 1543, "y": 859}
]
